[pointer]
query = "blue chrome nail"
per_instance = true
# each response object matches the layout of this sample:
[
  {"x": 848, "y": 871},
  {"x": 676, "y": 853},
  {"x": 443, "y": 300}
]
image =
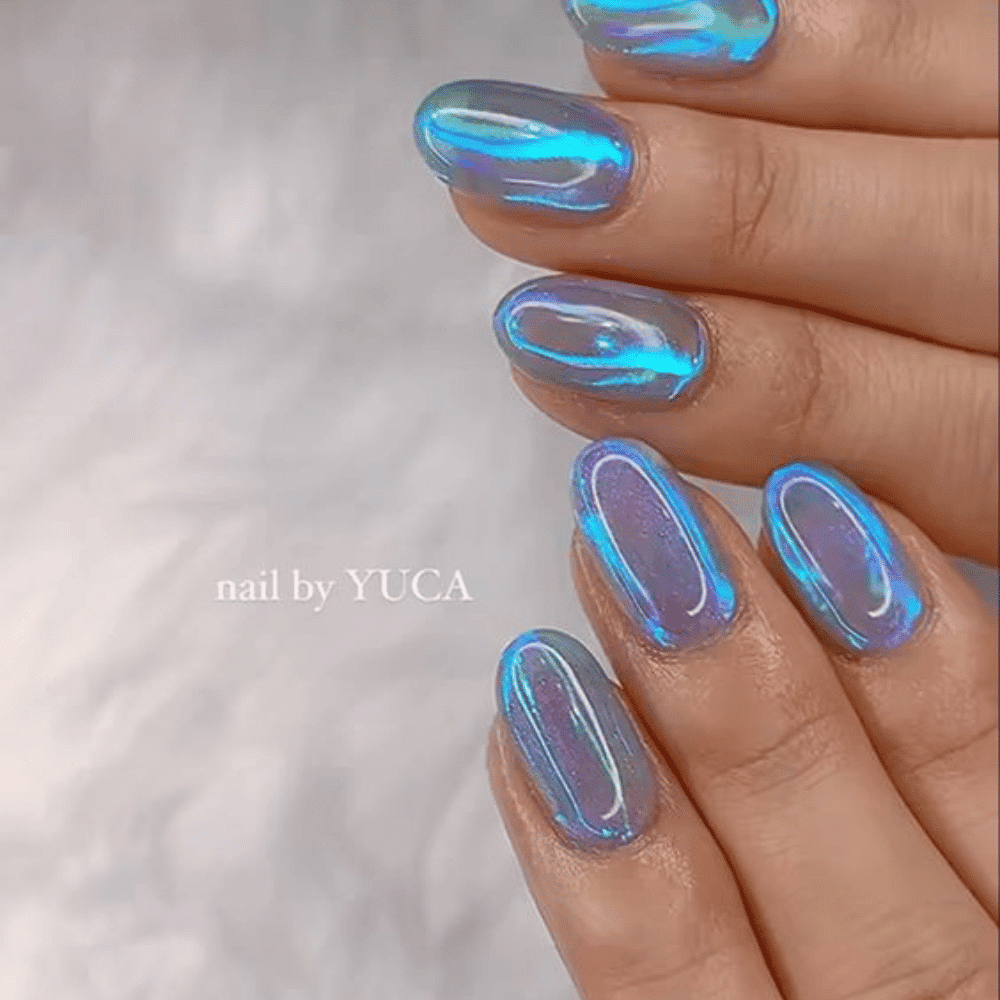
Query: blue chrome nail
[
  {"x": 848, "y": 567},
  {"x": 613, "y": 340},
  {"x": 576, "y": 738},
  {"x": 682, "y": 37},
  {"x": 525, "y": 146},
  {"x": 658, "y": 552}
]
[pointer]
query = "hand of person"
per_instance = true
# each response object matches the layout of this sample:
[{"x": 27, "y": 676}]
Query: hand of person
[
  {"x": 795, "y": 793},
  {"x": 822, "y": 186}
]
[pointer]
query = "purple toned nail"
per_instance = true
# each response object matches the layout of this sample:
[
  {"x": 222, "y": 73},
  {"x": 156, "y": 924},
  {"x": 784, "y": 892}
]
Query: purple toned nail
[
  {"x": 848, "y": 567},
  {"x": 658, "y": 552},
  {"x": 577, "y": 739}
]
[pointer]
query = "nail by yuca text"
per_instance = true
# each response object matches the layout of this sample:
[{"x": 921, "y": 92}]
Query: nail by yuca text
[{"x": 427, "y": 585}]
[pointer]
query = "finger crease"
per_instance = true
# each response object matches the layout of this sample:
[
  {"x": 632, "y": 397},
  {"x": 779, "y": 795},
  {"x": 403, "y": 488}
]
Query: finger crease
[
  {"x": 949, "y": 761},
  {"x": 924, "y": 984},
  {"x": 803, "y": 756}
]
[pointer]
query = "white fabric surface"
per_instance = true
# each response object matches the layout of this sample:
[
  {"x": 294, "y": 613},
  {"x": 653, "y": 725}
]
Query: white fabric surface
[{"x": 243, "y": 330}]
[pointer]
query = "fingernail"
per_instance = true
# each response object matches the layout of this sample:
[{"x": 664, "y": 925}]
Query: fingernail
[
  {"x": 680, "y": 37},
  {"x": 848, "y": 567},
  {"x": 658, "y": 551},
  {"x": 613, "y": 340},
  {"x": 576, "y": 738},
  {"x": 524, "y": 146}
]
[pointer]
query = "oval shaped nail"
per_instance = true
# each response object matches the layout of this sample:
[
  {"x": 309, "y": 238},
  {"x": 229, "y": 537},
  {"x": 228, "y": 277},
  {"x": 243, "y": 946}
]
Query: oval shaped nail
[
  {"x": 525, "y": 146},
  {"x": 576, "y": 739},
  {"x": 847, "y": 565},
  {"x": 618, "y": 341},
  {"x": 658, "y": 552},
  {"x": 682, "y": 37}
]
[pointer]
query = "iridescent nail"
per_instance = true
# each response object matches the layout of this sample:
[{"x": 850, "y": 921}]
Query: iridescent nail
[
  {"x": 613, "y": 340},
  {"x": 576, "y": 738},
  {"x": 682, "y": 37},
  {"x": 657, "y": 550},
  {"x": 524, "y": 146},
  {"x": 847, "y": 566}
]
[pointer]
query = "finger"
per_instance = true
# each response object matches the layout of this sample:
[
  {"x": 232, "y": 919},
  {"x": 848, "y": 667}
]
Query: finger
[
  {"x": 931, "y": 710},
  {"x": 897, "y": 232},
  {"x": 848, "y": 893},
  {"x": 638, "y": 898},
  {"x": 919, "y": 67},
  {"x": 730, "y": 388}
]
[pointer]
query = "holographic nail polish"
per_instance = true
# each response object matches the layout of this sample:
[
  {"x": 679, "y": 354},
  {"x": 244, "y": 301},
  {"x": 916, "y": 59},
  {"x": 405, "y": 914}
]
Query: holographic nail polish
[
  {"x": 659, "y": 554},
  {"x": 525, "y": 146},
  {"x": 847, "y": 566},
  {"x": 577, "y": 739},
  {"x": 679, "y": 37},
  {"x": 617, "y": 341}
]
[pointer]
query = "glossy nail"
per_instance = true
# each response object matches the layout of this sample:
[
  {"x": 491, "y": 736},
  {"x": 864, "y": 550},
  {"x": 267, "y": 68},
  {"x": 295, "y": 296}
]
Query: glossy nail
[
  {"x": 658, "y": 552},
  {"x": 681, "y": 37},
  {"x": 613, "y": 340},
  {"x": 848, "y": 567},
  {"x": 525, "y": 146},
  {"x": 576, "y": 738}
]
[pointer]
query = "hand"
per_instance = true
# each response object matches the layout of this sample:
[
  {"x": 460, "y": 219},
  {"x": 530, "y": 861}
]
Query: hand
[
  {"x": 831, "y": 211},
  {"x": 767, "y": 809}
]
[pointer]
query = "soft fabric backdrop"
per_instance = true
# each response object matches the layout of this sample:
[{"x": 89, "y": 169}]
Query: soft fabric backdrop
[{"x": 243, "y": 331}]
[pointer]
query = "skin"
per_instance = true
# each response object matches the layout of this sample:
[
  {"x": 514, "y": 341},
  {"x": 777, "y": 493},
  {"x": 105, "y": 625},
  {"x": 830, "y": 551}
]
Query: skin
[
  {"x": 848, "y": 271},
  {"x": 827, "y": 823}
]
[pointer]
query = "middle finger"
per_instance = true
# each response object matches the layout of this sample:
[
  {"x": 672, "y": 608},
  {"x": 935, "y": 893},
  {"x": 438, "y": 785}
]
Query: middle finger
[{"x": 900, "y": 232}]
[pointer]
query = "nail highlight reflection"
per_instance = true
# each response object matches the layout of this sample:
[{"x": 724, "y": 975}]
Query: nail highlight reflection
[
  {"x": 848, "y": 567},
  {"x": 524, "y": 146},
  {"x": 614, "y": 340},
  {"x": 678, "y": 36},
  {"x": 576, "y": 738},
  {"x": 658, "y": 552}
]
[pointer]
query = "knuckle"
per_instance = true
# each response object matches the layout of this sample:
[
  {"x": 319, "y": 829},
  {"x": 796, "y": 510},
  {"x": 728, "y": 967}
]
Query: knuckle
[{"x": 758, "y": 180}]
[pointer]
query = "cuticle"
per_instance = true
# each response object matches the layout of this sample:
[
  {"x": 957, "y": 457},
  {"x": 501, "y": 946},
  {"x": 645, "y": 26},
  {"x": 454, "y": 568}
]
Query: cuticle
[
  {"x": 869, "y": 658},
  {"x": 925, "y": 625},
  {"x": 693, "y": 393},
  {"x": 629, "y": 200},
  {"x": 733, "y": 625},
  {"x": 638, "y": 841}
]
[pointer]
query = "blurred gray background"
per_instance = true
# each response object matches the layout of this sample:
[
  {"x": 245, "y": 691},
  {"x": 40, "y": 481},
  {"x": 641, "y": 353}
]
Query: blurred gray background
[{"x": 244, "y": 332}]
